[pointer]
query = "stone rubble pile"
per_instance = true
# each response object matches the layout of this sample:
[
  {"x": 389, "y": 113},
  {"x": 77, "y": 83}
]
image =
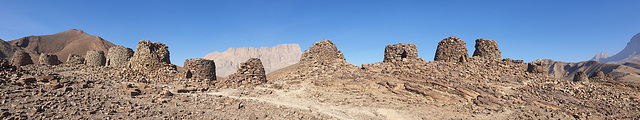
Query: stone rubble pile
[
  {"x": 451, "y": 49},
  {"x": 250, "y": 73}
]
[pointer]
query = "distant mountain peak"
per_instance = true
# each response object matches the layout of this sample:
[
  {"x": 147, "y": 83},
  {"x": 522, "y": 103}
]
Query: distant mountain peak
[
  {"x": 629, "y": 53},
  {"x": 62, "y": 44},
  {"x": 601, "y": 55}
]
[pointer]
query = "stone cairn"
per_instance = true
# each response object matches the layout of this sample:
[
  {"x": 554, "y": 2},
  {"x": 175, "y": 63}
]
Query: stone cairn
[
  {"x": 75, "y": 59},
  {"x": 486, "y": 49},
  {"x": 322, "y": 52},
  {"x": 400, "y": 52},
  {"x": 150, "y": 56},
  {"x": 199, "y": 68},
  {"x": 119, "y": 56},
  {"x": 95, "y": 58},
  {"x": 452, "y": 49},
  {"x": 46, "y": 59},
  {"x": 536, "y": 67},
  {"x": 20, "y": 58},
  {"x": 580, "y": 76},
  {"x": 250, "y": 73}
]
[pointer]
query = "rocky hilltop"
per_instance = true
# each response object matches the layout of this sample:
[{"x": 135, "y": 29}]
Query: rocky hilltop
[
  {"x": 273, "y": 58},
  {"x": 63, "y": 44},
  {"x": 630, "y": 53}
]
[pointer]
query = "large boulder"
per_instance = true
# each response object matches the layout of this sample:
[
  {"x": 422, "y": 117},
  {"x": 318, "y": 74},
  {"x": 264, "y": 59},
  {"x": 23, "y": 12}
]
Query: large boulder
[
  {"x": 486, "y": 49},
  {"x": 400, "y": 52},
  {"x": 452, "y": 49},
  {"x": 119, "y": 56},
  {"x": 199, "y": 68},
  {"x": 46, "y": 59},
  {"x": 20, "y": 58},
  {"x": 95, "y": 58}
]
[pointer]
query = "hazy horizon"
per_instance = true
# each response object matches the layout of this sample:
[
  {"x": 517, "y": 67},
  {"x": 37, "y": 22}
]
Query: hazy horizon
[{"x": 563, "y": 31}]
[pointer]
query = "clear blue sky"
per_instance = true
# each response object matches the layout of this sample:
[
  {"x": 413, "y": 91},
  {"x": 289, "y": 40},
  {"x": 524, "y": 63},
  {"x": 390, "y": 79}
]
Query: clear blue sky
[{"x": 529, "y": 30}]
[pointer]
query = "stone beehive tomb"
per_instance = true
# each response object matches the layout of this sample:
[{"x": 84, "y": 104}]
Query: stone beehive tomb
[
  {"x": 250, "y": 72},
  {"x": 75, "y": 59},
  {"x": 322, "y": 52},
  {"x": 451, "y": 49},
  {"x": 486, "y": 49},
  {"x": 536, "y": 67},
  {"x": 400, "y": 52},
  {"x": 20, "y": 58},
  {"x": 119, "y": 56},
  {"x": 95, "y": 58},
  {"x": 200, "y": 68},
  {"x": 150, "y": 56},
  {"x": 46, "y": 59},
  {"x": 580, "y": 76}
]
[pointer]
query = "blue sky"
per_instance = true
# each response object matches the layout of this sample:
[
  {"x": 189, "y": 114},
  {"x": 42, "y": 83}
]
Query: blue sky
[{"x": 528, "y": 30}]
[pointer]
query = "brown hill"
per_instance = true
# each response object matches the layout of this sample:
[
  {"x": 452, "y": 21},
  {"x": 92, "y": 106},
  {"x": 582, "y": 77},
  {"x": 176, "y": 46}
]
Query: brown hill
[
  {"x": 62, "y": 44},
  {"x": 620, "y": 73}
]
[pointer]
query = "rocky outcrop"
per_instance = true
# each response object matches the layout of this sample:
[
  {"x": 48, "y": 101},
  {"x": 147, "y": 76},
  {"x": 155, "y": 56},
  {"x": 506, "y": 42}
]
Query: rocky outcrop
[
  {"x": 486, "y": 49},
  {"x": 198, "y": 68},
  {"x": 46, "y": 59},
  {"x": 251, "y": 73},
  {"x": 63, "y": 44},
  {"x": 119, "y": 56},
  {"x": 75, "y": 59},
  {"x": 20, "y": 58},
  {"x": 400, "y": 52},
  {"x": 451, "y": 49},
  {"x": 150, "y": 56},
  {"x": 273, "y": 58},
  {"x": 580, "y": 76},
  {"x": 563, "y": 70},
  {"x": 95, "y": 58}
]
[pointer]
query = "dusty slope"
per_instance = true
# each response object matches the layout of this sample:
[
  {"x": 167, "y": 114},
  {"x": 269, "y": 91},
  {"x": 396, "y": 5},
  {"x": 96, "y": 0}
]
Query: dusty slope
[
  {"x": 273, "y": 58},
  {"x": 62, "y": 44},
  {"x": 620, "y": 73}
]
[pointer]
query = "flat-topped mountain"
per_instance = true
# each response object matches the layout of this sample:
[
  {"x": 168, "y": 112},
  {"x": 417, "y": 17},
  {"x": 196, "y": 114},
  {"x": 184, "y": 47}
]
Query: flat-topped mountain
[
  {"x": 273, "y": 58},
  {"x": 630, "y": 53},
  {"x": 62, "y": 44}
]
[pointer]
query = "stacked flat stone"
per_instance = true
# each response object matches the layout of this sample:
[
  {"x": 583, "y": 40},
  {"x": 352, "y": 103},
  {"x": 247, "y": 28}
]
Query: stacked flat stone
[
  {"x": 46, "y": 59},
  {"x": 452, "y": 49},
  {"x": 250, "y": 72},
  {"x": 95, "y": 58},
  {"x": 536, "y": 67},
  {"x": 75, "y": 59},
  {"x": 400, "y": 52},
  {"x": 486, "y": 49},
  {"x": 322, "y": 52},
  {"x": 119, "y": 56},
  {"x": 150, "y": 56},
  {"x": 580, "y": 76},
  {"x": 199, "y": 68},
  {"x": 21, "y": 58}
]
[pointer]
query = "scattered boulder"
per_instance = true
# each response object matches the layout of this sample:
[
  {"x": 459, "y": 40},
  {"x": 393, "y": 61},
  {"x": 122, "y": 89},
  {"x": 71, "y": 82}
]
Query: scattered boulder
[
  {"x": 400, "y": 52},
  {"x": 46, "y": 59},
  {"x": 95, "y": 58},
  {"x": 20, "y": 58},
  {"x": 580, "y": 76},
  {"x": 536, "y": 67},
  {"x": 486, "y": 49},
  {"x": 200, "y": 68},
  {"x": 150, "y": 56},
  {"x": 250, "y": 72},
  {"x": 75, "y": 59},
  {"x": 452, "y": 49},
  {"x": 119, "y": 56},
  {"x": 322, "y": 52}
]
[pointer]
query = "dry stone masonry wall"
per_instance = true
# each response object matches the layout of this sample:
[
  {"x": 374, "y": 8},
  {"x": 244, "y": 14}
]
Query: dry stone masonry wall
[
  {"x": 486, "y": 49},
  {"x": 95, "y": 58},
  {"x": 250, "y": 73},
  {"x": 46, "y": 59},
  {"x": 200, "y": 68},
  {"x": 75, "y": 59},
  {"x": 452, "y": 49},
  {"x": 322, "y": 52},
  {"x": 21, "y": 58},
  {"x": 150, "y": 56},
  {"x": 536, "y": 67},
  {"x": 400, "y": 52},
  {"x": 119, "y": 56}
]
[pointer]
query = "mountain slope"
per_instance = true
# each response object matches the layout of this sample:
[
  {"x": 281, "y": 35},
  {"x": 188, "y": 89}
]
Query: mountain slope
[
  {"x": 630, "y": 53},
  {"x": 62, "y": 44},
  {"x": 620, "y": 73},
  {"x": 273, "y": 58}
]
